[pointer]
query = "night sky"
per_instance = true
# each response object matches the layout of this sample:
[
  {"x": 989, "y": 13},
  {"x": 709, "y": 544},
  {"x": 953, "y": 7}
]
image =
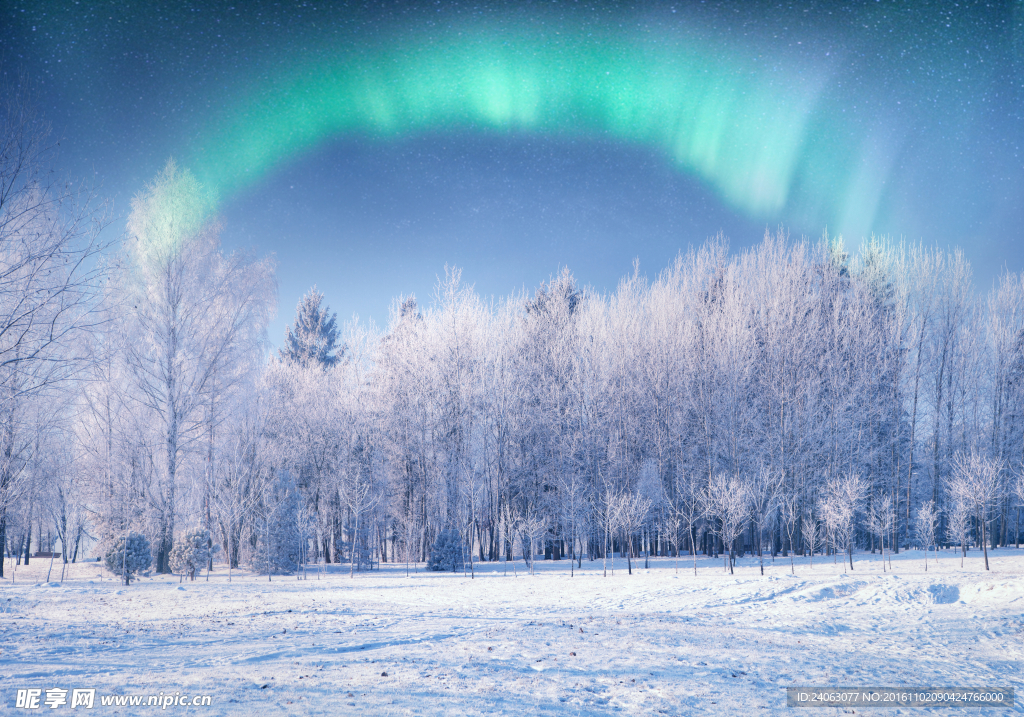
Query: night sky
[{"x": 369, "y": 144}]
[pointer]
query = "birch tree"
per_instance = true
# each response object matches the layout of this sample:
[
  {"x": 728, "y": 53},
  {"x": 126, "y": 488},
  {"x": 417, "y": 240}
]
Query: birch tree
[
  {"x": 843, "y": 495},
  {"x": 50, "y": 272},
  {"x": 958, "y": 528},
  {"x": 880, "y": 521},
  {"x": 974, "y": 485},
  {"x": 191, "y": 310},
  {"x": 764, "y": 496},
  {"x": 727, "y": 502},
  {"x": 926, "y": 519}
]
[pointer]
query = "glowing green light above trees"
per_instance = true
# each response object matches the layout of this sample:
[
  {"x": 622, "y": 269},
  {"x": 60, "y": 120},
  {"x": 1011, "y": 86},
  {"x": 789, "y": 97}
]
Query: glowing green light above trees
[{"x": 742, "y": 127}]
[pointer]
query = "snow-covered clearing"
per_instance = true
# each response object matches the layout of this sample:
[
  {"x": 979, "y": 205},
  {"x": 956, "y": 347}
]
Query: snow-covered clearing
[{"x": 653, "y": 642}]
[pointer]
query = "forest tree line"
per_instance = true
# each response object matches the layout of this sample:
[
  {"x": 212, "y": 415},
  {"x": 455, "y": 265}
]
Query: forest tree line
[{"x": 785, "y": 398}]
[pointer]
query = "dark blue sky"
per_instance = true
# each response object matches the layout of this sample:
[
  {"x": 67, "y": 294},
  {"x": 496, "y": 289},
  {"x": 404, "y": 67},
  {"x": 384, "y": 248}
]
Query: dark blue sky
[{"x": 914, "y": 107}]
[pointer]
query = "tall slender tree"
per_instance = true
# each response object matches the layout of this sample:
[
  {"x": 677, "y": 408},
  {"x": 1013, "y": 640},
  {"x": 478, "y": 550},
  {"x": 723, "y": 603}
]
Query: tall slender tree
[
  {"x": 194, "y": 315},
  {"x": 49, "y": 276}
]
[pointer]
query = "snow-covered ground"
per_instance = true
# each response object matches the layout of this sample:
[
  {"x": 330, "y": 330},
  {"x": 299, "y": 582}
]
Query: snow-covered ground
[{"x": 657, "y": 641}]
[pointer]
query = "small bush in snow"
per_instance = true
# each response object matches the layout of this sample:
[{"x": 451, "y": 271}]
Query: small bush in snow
[
  {"x": 126, "y": 562},
  {"x": 191, "y": 553},
  {"x": 447, "y": 551}
]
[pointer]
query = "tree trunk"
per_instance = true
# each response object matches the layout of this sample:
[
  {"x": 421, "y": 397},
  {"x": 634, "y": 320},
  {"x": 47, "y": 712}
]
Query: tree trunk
[{"x": 984, "y": 543}]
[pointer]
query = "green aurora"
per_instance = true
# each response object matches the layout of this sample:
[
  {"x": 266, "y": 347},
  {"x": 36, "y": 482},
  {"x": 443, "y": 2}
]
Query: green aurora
[
  {"x": 757, "y": 133},
  {"x": 874, "y": 117}
]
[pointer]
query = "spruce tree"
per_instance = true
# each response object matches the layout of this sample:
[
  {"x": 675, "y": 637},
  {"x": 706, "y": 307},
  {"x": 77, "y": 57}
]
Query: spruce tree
[
  {"x": 313, "y": 338},
  {"x": 126, "y": 562},
  {"x": 447, "y": 551},
  {"x": 191, "y": 552},
  {"x": 278, "y": 545}
]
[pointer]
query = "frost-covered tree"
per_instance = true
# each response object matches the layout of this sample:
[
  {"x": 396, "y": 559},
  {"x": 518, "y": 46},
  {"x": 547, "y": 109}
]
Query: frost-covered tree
[
  {"x": 533, "y": 528},
  {"x": 50, "y": 274},
  {"x": 810, "y": 533},
  {"x": 611, "y": 520},
  {"x": 839, "y": 506},
  {"x": 788, "y": 360},
  {"x": 1018, "y": 493},
  {"x": 446, "y": 555},
  {"x": 951, "y": 351},
  {"x": 958, "y": 528},
  {"x": 727, "y": 503},
  {"x": 880, "y": 519},
  {"x": 191, "y": 552},
  {"x": 689, "y": 505},
  {"x": 277, "y": 548},
  {"x": 312, "y": 339},
  {"x": 789, "y": 516},
  {"x": 574, "y": 515},
  {"x": 192, "y": 315},
  {"x": 974, "y": 486},
  {"x": 926, "y": 524},
  {"x": 128, "y": 555},
  {"x": 633, "y": 512},
  {"x": 764, "y": 490},
  {"x": 242, "y": 464}
]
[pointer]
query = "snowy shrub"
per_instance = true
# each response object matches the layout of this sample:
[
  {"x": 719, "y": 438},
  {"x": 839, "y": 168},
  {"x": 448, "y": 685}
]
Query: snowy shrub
[
  {"x": 447, "y": 551},
  {"x": 127, "y": 562},
  {"x": 191, "y": 553}
]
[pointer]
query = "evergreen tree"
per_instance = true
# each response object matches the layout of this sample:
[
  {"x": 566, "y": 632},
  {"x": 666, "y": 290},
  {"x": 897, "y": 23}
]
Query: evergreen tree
[
  {"x": 278, "y": 546},
  {"x": 191, "y": 552},
  {"x": 313, "y": 338},
  {"x": 447, "y": 551},
  {"x": 127, "y": 562}
]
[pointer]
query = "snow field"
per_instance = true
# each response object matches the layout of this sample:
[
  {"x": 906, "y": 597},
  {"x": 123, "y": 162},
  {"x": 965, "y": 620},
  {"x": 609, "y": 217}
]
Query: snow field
[{"x": 655, "y": 642}]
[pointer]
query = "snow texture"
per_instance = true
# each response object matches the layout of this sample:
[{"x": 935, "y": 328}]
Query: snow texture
[{"x": 656, "y": 642}]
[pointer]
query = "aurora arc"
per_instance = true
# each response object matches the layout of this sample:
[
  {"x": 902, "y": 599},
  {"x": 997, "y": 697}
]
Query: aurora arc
[{"x": 755, "y": 131}]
